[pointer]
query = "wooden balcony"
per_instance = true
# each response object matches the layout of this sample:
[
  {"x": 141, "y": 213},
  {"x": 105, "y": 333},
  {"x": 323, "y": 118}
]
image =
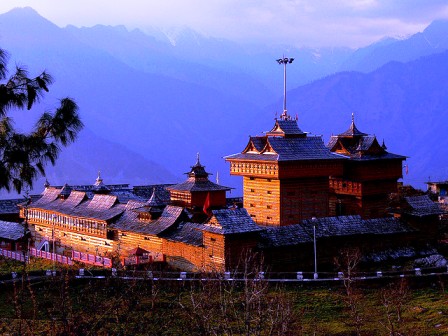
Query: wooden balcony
[{"x": 341, "y": 186}]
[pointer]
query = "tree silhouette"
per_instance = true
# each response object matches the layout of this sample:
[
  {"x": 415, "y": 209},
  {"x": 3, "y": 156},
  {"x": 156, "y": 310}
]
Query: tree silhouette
[{"x": 24, "y": 155}]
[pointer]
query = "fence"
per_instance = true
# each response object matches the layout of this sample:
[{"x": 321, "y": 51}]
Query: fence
[
  {"x": 78, "y": 256},
  {"x": 51, "y": 256},
  {"x": 17, "y": 255},
  {"x": 91, "y": 259}
]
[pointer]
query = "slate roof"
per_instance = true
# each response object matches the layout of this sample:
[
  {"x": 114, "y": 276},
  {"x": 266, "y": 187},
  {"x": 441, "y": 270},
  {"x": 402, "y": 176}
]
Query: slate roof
[
  {"x": 155, "y": 200},
  {"x": 129, "y": 221},
  {"x": 286, "y": 127},
  {"x": 309, "y": 148},
  {"x": 360, "y": 146},
  {"x": 258, "y": 142},
  {"x": 187, "y": 233},
  {"x": 284, "y": 236},
  {"x": 291, "y": 149},
  {"x": 145, "y": 192},
  {"x": 102, "y": 207},
  {"x": 10, "y": 230},
  {"x": 193, "y": 184},
  {"x": 10, "y": 206},
  {"x": 423, "y": 206},
  {"x": 352, "y": 131},
  {"x": 330, "y": 227},
  {"x": 48, "y": 195},
  {"x": 231, "y": 221},
  {"x": 197, "y": 181}
]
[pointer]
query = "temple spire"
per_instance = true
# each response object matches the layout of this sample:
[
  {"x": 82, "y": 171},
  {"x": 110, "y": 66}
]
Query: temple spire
[{"x": 99, "y": 180}]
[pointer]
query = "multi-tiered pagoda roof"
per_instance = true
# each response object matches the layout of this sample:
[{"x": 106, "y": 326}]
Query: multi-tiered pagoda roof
[
  {"x": 358, "y": 145},
  {"x": 285, "y": 142}
]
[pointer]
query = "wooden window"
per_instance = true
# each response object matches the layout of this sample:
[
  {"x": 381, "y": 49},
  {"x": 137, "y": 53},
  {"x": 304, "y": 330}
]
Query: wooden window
[
  {"x": 251, "y": 205},
  {"x": 251, "y": 178},
  {"x": 269, "y": 192},
  {"x": 212, "y": 239},
  {"x": 253, "y": 215},
  {"x": 268, "y": 207}
]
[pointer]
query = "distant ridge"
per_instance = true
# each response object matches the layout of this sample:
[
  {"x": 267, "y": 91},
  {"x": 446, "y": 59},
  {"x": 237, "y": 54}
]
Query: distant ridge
[{"x": 165, "y": 103}]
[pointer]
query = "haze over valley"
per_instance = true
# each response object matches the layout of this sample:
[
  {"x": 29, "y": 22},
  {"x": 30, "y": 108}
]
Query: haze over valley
[{"x": 150, "y": 102}]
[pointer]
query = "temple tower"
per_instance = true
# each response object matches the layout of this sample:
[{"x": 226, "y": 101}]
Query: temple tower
[
  {"x": 370, "y": 175},
  {"x": 198, "y": 192},
  {"x": 285, "y": 174}
]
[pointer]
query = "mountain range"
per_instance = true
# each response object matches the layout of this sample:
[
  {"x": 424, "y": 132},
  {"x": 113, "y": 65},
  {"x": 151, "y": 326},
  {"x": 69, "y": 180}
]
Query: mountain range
[{"x": 151, "y": 100}]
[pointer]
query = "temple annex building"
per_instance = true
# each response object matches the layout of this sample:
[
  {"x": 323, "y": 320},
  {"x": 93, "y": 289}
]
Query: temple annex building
[{"x": 296, "y": 189}]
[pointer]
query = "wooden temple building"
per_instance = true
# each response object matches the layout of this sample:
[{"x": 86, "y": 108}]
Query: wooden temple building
[
  {"x": 285, "y": 174},
  {"x": 369, "y": 176}
]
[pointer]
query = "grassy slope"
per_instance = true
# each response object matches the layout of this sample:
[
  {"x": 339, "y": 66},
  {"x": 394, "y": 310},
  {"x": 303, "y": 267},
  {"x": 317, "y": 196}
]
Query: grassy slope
[{"x": 59, "y": 305}]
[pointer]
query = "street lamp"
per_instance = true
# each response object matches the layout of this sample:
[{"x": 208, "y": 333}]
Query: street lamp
[
  {"x": 284, "y": 60},
  {"x": 53, "y": 255},
  {"x": 314, "y": 221}
]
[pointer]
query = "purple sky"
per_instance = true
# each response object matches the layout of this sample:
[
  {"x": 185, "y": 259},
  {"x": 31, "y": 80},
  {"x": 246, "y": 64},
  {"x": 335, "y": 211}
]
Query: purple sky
[{"x": 312, "y": 23}]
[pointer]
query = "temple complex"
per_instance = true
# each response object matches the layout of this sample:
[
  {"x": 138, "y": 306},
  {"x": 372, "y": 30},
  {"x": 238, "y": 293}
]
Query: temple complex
[{"x": 295, "y": 190}]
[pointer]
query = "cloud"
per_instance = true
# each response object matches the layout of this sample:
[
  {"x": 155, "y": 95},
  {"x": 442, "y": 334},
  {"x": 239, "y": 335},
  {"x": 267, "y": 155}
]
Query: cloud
[{"x": 298, "y": 22}]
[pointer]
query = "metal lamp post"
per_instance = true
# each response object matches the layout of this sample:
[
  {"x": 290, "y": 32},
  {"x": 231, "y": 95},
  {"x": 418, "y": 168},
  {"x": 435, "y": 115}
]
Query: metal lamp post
[
  {"x": 53, "y": 256},
  {"x": 314, "y": 220},
  {"x": 284, "y": 60}
]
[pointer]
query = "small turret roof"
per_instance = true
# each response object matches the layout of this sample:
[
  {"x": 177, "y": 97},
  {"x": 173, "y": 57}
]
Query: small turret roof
[
  {"x": 352, "y": 131},
  {"x": 359, "y": 146},
  {"x": 99, "y": 186},
  {"x": 197, "y": 181},
  {"x": 198, "y": 170},
  {"x": 286, "y": 127}
]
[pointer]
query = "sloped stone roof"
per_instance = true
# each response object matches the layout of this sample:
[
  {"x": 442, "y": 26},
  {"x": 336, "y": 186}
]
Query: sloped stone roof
[
  {"x": 197, "y": 181},
  {"x": 231, "y": 221},
  {"x": 129, "y": 221},
  {"x": 286, "y": 127},
  {"x": 352, "y": 131},
  {"x": 101, "y": 207},
  {"x": 330, "y": 227},
  {"x": 423, "y": 206},
  {"x": 187, "y": 233},
  {"x": 357, "y": 145},
  {"x": 11, "y": 231},
  {"x": 290, "y": 149}
]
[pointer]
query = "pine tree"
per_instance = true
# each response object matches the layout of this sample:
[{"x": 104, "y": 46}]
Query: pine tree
[{"x": 24, "y": 155}]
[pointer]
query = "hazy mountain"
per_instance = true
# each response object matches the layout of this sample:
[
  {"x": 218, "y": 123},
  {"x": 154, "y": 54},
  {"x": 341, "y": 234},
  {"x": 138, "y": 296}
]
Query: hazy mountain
[
  {"x": 146, "y": 53},
  {"x": 433, "y": 39},
  {"x": 80, "y": 163},
  {"x": 164, "y": 97},
  {"x": 164, "y": 119}
]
